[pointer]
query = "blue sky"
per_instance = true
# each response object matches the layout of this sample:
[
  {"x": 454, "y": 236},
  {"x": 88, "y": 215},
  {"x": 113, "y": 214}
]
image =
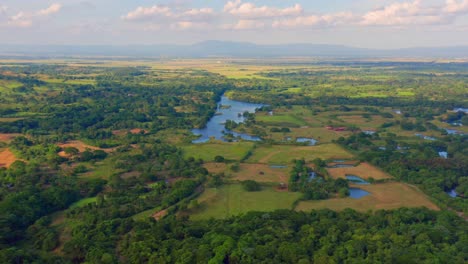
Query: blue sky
[{"x": 361, "y": 23}]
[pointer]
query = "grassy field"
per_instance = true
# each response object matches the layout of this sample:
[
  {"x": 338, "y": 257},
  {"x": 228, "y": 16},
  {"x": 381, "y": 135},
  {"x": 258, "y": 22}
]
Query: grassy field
[
  {"x": 232, "y": 199},
  {"x": 283, "y": 154},
  {"x": 281, "y": 120},
  {"x": 260, "y": 173},
  {"x": 363, "y": 170},
  {"x": 208, "y": 151},
  {"x": 383, "y": 196},
  {"x": 83, "y": 202}
]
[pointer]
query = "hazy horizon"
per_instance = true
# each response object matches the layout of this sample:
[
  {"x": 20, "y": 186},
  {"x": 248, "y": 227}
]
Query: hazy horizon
[{"x": 376, "y": 24}]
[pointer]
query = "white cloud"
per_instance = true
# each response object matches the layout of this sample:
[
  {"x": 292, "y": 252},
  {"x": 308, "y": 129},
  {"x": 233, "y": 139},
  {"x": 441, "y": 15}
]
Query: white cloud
[
  {"x": 251, "y": 11},
  {"x": 20, "y": 20},
  {"x": 52, "y": 9},
  {"x": 245, "y": 24},
  {"x": 164, "y": 12},
  {"x": 407, "y": 13},
  {"x": 315, "y": 20},
  {"x": 142, "y": 13},
  {"x": 454, "y": 6}
]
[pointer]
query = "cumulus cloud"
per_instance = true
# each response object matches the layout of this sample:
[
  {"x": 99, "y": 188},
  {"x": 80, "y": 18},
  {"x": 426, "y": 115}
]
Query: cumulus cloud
[
  {"x": 20, "y": 20},
  {"x": 454, "y": 6},
  {"x": 245, "y": 24},
  {"x": 25, "y": 19},
  {"x": 142, "y": 13},
  {"x": 415, "y": 13},
  {"x": 315, "y": 20},
  {"x": 240, "y": 15},
  {"x": 52, "y": 9},
  {"x": 251, "y": 11},
  {"x": 164, "y": 12}
]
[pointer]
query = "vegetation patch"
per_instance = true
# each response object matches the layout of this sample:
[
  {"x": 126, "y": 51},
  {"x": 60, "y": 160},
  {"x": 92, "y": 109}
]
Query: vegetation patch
[
  {"x": 283, "y": 154},
  {"x": 382, "y": 196},
  {"x": 233, "y": 199},
  {"x": 208, "y": 151},
  {"x": 363, "y": 170}
]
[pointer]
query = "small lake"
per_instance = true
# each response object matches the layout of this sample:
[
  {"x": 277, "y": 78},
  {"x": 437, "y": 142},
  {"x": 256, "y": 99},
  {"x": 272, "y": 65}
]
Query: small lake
[
  {"x": 452, "y": 193},
  {"x": 310, "y": 141},
  {"x": 355, "y": 179},
  {"x": 227, "y": 110},
  {"x": 357, "y": 193}
]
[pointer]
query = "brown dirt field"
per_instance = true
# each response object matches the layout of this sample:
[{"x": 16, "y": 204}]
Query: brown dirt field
[
  {"x": 214, "y": 167},
  {"x": 363, "y": 170},
  {"x": 131, "y": 174},
  {"x": 8, "y": 137},
  {"x": 253, "y": 172},
  {"x": 82, "y": 146},
  {"x": 132, "y": 131},
  {"x": 382, "y": 196},
  {"x": 7, "y": 158}
]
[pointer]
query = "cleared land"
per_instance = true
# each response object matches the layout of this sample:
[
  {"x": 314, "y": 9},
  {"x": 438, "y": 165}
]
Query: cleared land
[
  {"x": 81, "y": 146},
  {"x": 363, "y": 170},
  {"x": 7, "y": 158},
  {"x": 283, "y": 154},
  {"x": 261, "y": 173},
  {"x": 7, "y": 137},
  {"x": 382, "y": 196},
  {"x": 232, "y": 199}
]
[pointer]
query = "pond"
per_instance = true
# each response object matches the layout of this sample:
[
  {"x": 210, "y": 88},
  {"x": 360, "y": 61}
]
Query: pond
[
  {"x": 311, "y": 141},
  {"x": 227, "y": 110},
  {"x": 452, "y": 193},
  {"x": 278, "y": 166},
  {"x": 341, "y": 166},
  {"x": 355, "y": 179},
  {"x": 357, "y": 193}
]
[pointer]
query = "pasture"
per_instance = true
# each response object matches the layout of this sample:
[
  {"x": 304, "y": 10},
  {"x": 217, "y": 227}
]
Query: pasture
[
  {"x": 260, "y": 173},
  {"x": 363, "y": 170},
  {"x": 232, "y": 199},
  {"x": 382, "y": 196},
  {"x": 283, "y": 154},
  {"x": 208, "y": 151}
]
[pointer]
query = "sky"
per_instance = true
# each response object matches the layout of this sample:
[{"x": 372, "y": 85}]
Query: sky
[{"x": 360, "y": 23}]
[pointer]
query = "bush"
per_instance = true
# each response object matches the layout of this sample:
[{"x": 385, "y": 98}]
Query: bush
[
  {"x": 219, "y": 159},
  {"x": 251, "y": 186}
]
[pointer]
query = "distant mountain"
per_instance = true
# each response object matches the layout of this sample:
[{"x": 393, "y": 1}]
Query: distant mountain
[{"x": 214, "y": 48}]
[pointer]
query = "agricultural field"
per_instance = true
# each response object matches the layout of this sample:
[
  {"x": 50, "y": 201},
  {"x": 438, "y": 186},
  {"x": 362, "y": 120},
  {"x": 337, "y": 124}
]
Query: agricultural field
[
  {"x": 363, "y": 170},
  {"x": 382, "y": 196},
  {"x": 208, "y": 151},
  {"x": 284, "y": 154},
  {"x": 232, "y": 199}
]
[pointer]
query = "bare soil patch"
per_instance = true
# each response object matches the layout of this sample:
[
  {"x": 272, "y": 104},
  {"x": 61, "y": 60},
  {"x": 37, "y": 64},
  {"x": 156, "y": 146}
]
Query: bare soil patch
[{"x": 7, "y": 158}]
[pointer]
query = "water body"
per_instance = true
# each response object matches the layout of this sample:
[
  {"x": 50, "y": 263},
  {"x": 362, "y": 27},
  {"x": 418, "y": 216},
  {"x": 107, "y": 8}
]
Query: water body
[
  {"x": 341, "y": 166},
  {"x": 312, "y": 175},
  {"x": 355, "y": 179},
  {"x": 311, "y": 141},
  {"x": 452, "y": 193},
  {"x": 443, "y": 154},
  {"x": 278, "y": 166},
  {"x": 230, "y": 110},
  {"x": 357, "y": 193}
]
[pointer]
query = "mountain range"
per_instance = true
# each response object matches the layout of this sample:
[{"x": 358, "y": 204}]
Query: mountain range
[{"x": 215, "y": 48}]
